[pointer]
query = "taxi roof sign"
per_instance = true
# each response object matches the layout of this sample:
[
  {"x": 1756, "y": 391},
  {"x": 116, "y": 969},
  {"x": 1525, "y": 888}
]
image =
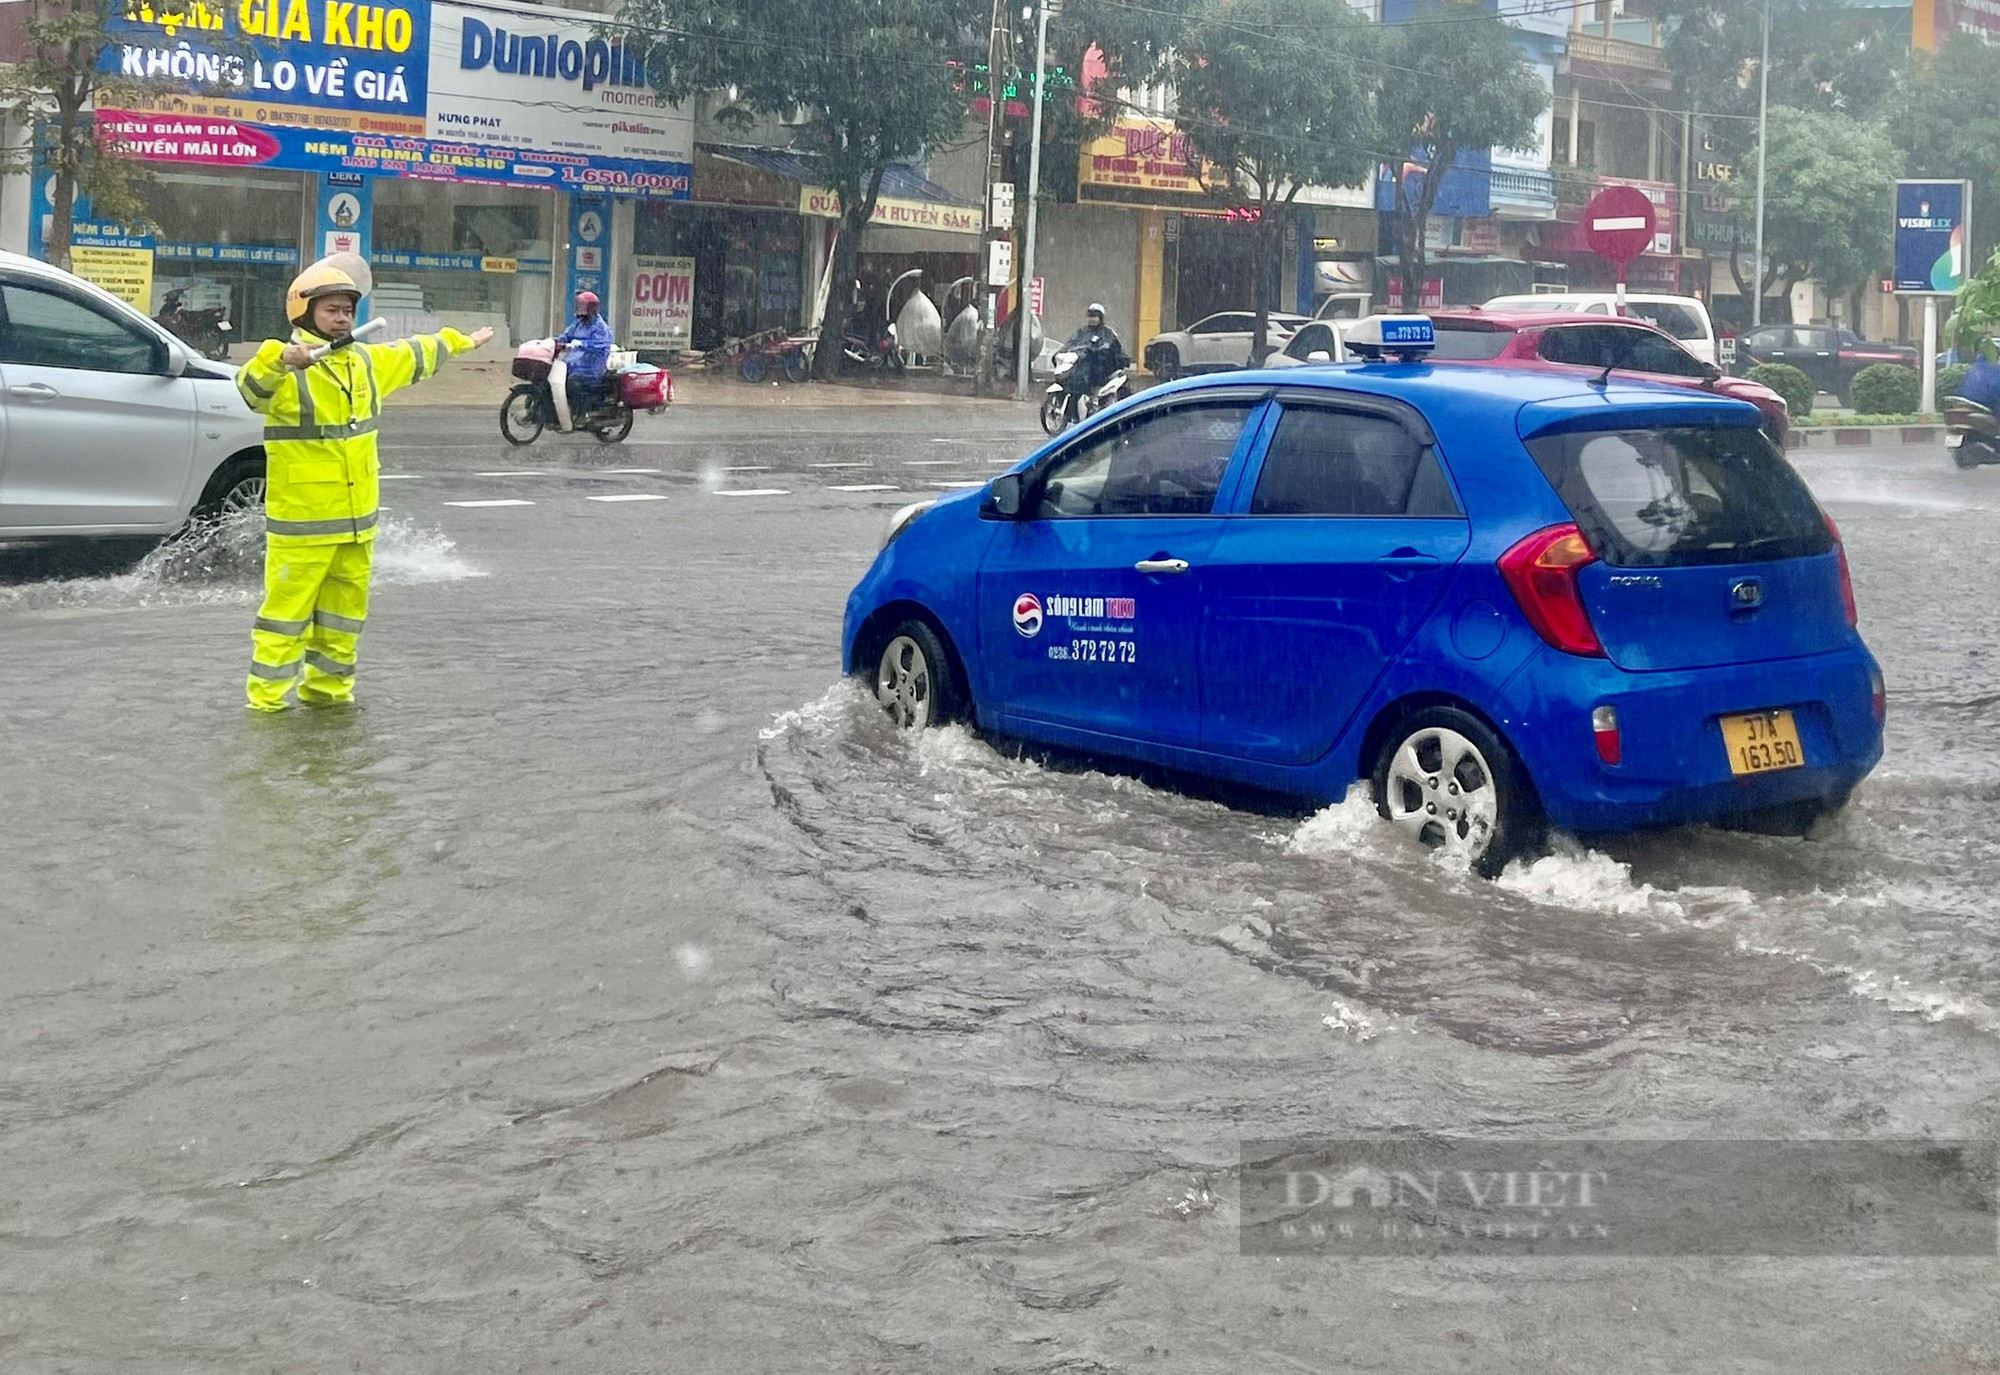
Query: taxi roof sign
[{"x": 1405, "y": 336}]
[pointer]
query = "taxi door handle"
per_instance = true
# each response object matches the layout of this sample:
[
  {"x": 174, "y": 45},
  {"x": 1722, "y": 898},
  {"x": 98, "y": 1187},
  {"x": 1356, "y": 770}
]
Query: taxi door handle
[
  {"x": 34, "y": 391},
  {"x": 1405, "y": 564},
  {"x": 1161, "y": 566}
]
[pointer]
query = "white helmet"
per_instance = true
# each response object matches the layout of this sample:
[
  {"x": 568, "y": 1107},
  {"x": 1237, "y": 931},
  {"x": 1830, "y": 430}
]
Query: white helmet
[{"x": 1095, "y": 308}]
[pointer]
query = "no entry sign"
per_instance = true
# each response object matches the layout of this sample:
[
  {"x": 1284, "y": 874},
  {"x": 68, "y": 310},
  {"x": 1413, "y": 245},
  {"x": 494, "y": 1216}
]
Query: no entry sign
[{"x": 1618, "y": 223}]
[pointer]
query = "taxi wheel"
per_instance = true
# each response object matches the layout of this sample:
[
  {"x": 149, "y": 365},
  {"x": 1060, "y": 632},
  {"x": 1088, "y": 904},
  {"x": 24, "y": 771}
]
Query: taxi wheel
[
  {"x": 1446, "y": 780},
  {"x": 914, "y": 679}
]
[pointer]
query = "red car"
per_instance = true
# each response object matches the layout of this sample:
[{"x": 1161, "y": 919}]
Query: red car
[{"x": 1588, "y": 344}]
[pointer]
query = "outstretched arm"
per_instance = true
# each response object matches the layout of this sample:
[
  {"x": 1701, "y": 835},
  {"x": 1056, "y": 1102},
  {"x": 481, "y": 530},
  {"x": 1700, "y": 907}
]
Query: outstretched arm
[{"x": 411, "y": 360}]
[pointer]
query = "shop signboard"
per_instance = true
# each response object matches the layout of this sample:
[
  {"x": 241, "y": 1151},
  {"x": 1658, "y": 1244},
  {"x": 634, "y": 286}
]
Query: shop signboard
[
  {"x": 892, "y": 212},
  {"x": 1930, "y": 237},
  {"x": 345, "y": 208},
  {"x": 126, "y": 273},
  {"x": 1144, "y": 161},
  {"x": 415, "y": 89},
  {"x": 661, "y": 315},
  {"x": 589, "y": 244}
]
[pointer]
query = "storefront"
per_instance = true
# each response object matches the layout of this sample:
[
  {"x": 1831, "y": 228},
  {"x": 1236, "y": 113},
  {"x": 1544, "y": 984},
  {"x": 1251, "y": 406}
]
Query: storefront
[{"x": 419, "y": 134}]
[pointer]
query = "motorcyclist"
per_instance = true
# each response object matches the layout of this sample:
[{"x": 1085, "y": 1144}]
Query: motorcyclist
[
  {"x": 1098, "y": 349},
  {"x": 589, "y": 341},
  {"x": 1981, "y": 382}
]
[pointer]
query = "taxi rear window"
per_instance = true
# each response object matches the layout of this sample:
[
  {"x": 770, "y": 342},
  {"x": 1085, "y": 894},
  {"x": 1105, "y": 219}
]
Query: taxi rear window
[{"x": 1670, "y": 497}]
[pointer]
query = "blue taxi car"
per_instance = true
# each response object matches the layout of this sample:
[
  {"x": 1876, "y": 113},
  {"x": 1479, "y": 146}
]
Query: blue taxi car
[{"x": 1506, "y": 598}]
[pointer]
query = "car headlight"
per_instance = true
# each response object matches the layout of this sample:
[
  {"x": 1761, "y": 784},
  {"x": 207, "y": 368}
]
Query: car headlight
[{"x": 903, "y": 519}]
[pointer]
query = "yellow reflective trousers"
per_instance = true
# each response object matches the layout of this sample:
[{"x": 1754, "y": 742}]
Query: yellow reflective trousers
[{"x": 321, "y": 505}]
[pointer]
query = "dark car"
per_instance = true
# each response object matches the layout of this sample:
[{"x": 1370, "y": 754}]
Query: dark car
[{"x": 1830, "y": 357}]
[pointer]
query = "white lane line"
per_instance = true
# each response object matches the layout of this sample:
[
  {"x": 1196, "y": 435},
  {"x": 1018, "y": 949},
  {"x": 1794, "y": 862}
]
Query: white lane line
[
  {"x": 630, "y": 496},
  {"x": 840, "y": 465},
  {"x": 947, "y": 486},
  {"x": 399, "y": 477},
  {"x": 747, "y": 470},
  {"x": 628, "y": 470},
  {"x": 523, "y": 472},
  {"x": 864, "y": 487},
  {"x": 931, "y": 463},
  {"x": 507, "y": 502},
  {"x": 753, "y": 492}
]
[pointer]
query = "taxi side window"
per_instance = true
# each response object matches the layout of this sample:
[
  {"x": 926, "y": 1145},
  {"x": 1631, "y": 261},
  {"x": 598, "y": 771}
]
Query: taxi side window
[
  {"x": 1162, "y": 463},
  {"x": 1336, "y": 463},
  {"x": 51, "y": 331}
]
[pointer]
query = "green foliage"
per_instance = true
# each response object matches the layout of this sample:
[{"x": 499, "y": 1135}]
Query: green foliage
[
  {"x": 1788, "y": 382},
  {"x": 1948, "y": 125},
  {"x": 1950, "y": 376},
  {"x": 1826, "y": 198},
  {"x": 1270, "y": 92},
  {"x": 1885, "y": 389},
  {"x": 1460, "y": 82},
  {"x": 1975, "y": 314}
]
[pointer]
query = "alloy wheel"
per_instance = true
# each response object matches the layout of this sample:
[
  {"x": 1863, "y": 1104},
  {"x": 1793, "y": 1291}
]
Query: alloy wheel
[
  {"x": 1440, "y": 789},
  {"x": 903, "y": 683}
]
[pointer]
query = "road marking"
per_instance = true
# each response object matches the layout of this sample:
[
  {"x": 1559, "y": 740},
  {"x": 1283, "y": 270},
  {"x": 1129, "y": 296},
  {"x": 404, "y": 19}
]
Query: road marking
[
  {"x": 747, "y": 470},
  {"x": 864, "y": 487},
  {"x": 840, "y": 465},
  {"x": 931, "y": 463},
  {"x": 630, "y": 496},
  {"x": 947, "y": 486},
  {"x": 753, "y": 492},
  {"x": 399, "y": 477},
  {"x": 628, "y": 470},
  {"x": 523, "y": 472},
  {"x": 507, "y": 502}
]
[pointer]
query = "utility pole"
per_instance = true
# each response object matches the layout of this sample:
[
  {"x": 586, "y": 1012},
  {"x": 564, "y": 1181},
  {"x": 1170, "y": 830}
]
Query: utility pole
[
  {"x": 996, "y": 48},
  {"x": 1763, "y": 157},
  {"x": 1024, "y": 318}
]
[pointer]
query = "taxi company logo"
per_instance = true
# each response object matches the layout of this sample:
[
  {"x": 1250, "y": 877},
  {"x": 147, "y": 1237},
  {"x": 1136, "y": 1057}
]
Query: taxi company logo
[
  {"x": 1028, "y": 614},
  {"x": 1095, "y": 608}
]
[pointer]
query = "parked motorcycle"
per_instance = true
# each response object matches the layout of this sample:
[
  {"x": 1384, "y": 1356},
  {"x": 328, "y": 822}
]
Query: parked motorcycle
[
  {"x": 875, "y": 353},
  {"x": 205, "y": 331},
  {"x": 1971, "y": 433},
  {"x": 541, "y": 401},
  {"x": 1063, "y": 407}
]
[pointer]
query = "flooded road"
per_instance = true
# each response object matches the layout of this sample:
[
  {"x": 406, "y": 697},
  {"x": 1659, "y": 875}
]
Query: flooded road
[{"x": 616, "y": 991}]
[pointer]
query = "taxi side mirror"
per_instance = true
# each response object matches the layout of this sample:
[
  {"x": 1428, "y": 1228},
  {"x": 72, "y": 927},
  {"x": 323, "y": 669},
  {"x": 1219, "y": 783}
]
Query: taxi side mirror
[{"x": 1003, "y": 497}]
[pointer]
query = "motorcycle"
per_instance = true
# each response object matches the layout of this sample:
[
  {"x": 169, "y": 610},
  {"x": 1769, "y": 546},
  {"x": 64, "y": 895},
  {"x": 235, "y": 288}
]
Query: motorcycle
[
  {"x": 1063, "y": 407},
  {"x": 542, "y": 400},
  {"x": 874, "y": 353},
  {"x": 205, "y": 331},
  {"x": 1971, "y": 433}
]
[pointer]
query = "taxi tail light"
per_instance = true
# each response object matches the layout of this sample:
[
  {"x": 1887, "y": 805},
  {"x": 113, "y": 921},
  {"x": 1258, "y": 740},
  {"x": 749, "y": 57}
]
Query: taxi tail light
[
  {"x": 1604, "y": 727},
  {"x": 1541, "y": 572},
  {"x": 1846, "y": 583}
]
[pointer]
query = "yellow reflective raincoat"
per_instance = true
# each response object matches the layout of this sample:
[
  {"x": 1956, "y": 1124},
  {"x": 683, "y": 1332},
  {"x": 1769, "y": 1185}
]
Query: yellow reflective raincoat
[{"x": 321, "y": 503}]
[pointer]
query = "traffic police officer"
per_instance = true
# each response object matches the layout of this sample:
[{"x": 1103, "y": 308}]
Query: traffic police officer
[{"x": 320, "y": 500}]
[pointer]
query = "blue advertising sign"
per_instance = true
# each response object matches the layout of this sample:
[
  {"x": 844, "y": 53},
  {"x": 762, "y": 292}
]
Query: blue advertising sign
[
  {"x": 589, "y": 245},
  {"x": 1931, "y": 232},
  {"x": 1465, "y": 191}
]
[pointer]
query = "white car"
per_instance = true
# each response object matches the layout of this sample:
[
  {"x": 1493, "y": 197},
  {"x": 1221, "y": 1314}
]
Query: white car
[
  {"x": 1213, "y": 344},
  {"x": 109, "y": 425},
  {"x": 1684, "y": 317},
  {"x": 1318, "y": 341}
]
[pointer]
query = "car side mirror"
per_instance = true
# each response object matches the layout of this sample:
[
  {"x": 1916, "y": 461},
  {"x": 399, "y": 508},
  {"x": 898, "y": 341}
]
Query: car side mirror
[
  {"x": 1004, "y": 496},
  {"x": 1319, "y": 356},
  {"x": 172, "y": 363}
]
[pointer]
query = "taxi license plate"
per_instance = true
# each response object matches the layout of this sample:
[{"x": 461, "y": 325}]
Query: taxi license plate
[{"x": 1762, "y": 742}]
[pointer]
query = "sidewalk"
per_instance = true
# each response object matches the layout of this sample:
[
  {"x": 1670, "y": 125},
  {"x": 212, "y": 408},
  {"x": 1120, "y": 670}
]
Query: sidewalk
[{"x": 484, "y": 382}]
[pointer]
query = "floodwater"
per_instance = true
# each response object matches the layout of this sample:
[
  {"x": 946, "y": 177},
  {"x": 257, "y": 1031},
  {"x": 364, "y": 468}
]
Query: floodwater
[{"x": 617, "y": 991}]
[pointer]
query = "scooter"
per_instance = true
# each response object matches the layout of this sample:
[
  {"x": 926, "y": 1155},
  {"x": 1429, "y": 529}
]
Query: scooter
[
  {"x": 542, "y": 400},
  {"x": 206, "y": 331},
  {"x": 1062, "y": 407},
  {"x": 1971, "y": 433}
]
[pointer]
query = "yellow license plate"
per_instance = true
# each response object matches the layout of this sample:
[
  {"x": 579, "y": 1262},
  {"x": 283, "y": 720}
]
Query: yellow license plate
[{"x": 1762, "y": 742}]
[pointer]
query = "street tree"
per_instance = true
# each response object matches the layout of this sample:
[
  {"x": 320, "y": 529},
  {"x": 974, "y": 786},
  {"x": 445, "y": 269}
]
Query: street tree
[
  {"x": 1826, "y": 203},
  {"x": 876, "y": 82},
  {"x": 1271, "y": 94},
  {"x": 1947, "y": 125},
  {"x": 1827, "y": 56},
  {"x": 54, "y": 89},
  {"x": 1454, "y": 81}
]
